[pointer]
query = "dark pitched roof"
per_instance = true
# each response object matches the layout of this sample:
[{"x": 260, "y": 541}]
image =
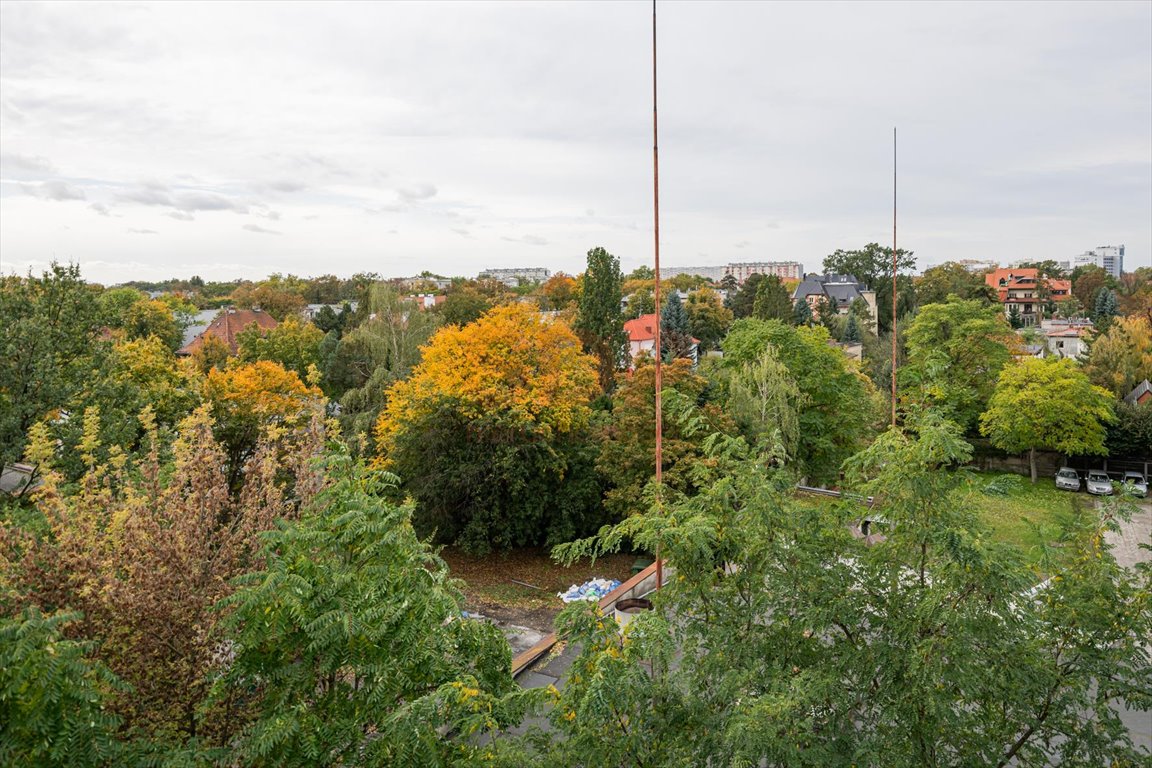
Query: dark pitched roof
[
  {"x": 226, "y": 325},
  {"x": 1142, "y": 389}
]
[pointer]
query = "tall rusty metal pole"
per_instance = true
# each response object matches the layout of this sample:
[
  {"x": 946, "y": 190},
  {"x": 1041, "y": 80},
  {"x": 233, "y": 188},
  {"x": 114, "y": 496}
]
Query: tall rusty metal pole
[
  {"x": 656, "y": 299},
  {"x": 893, "y": 276}
]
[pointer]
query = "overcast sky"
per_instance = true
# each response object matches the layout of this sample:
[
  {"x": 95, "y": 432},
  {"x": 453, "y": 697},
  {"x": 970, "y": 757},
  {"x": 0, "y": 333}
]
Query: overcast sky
[{"x": 146, "y": 141}]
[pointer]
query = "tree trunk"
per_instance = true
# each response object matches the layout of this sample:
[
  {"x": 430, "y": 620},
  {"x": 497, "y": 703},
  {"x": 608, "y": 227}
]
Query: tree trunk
[{"x": 1032, "y": 463}]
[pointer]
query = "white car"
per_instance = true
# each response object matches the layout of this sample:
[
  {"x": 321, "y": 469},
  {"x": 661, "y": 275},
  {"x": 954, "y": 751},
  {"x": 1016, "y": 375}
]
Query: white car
[
  {"x": 1137, "y": 483},
  {"x": 1067, "y": 479},
  {"x": 1099, "y": 483}
]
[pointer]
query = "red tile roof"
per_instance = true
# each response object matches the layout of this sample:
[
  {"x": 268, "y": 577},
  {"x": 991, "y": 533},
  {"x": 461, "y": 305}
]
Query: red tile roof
[
  {"x": 227, "y": 324},
  {"x": 642, "y": 328}
]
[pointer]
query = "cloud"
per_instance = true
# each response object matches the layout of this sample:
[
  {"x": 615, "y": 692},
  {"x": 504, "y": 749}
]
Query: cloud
[
  {"x": 527, "y": 240},
  {"x": 153, "y": 193},
  {"x": 148, "y": 194},
  {"x": 258, "y": 229},
  {"x": 271, "y": 215},
  {"x": 181, "y": 216},
  {"x": 462, "y": 232},
  {"x": 29, "y": 163},
  {"x": 417, "y": 192},
  {"x": 743, "y": 244},
  {"x": 101, "y": 209},
  {"x": 54, "y": 190},
  {"x": 143, "y": 231},
  {"x": 286, "y": 186}
]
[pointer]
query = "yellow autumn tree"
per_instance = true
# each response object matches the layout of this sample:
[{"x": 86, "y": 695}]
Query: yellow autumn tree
[
  {"x": 1122, "y": 357},
  {"x": 248, "y": 399},
  {"x": 490, "y": 436}
]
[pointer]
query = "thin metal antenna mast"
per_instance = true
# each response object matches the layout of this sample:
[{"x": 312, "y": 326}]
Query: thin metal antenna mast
[
  {"x": 656, "y": 299},
  {"x": 893, "y": 276}
]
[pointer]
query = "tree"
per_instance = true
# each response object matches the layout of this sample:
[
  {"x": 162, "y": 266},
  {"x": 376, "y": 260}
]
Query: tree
[
  {"x": 955, "y": 352},
  {"x": 488, "y": 427},
  {"x": 708, "y": 318},
  {"x": 351, "y": 646},
  {"x": 641, "y": 302},
  {"x": 1046, "y": 268},
  {"x": 248, "y": 399},
  {"x": 276, "y": 296},
  {"x": 841, "y": 400},
  {"x": 766, "y": 403},
  {"x": 52, "y": 696},
  {"x": 1014, "y": 318},
  {"x": 599, "y": 322},
  {"x": 144, "y": 548},
  {"x": 213, "y": 352},
  {"x": 154, "y": 318},
  {"x": 809, "y": 647},
  {"x": 772, "y": 301},
  {"x": 1068, "y": 307},
  {"x": 292, "y": 344},
  {"x": 628, "y": 440},
  {"x": 148, "y": 375},
  {"x": 462, "y": 306},
  {"x": 49, "y": 345},
  {"x": 872, "y": 265},
  {"x": 744, "y": 301},
  {"x": 1105, "y": 308},
  {"x": 951, "y": 279},
  {"x": 1087, "y": 283},
  {"x": 1130, "y": 436},
  {"x": 851, "y": 331},
  {"x": 675, "y": 339},
  {"x": 558, "y": 292},
  {"x": 1121, "y": 358},
  {"x": 802, "y": 313},
  {"x": 729, "y": 283},
  {"x": 1047, "y": 404}
]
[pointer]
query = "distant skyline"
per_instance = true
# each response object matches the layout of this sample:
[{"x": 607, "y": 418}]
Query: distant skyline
[{"x": 156, "y": 140}]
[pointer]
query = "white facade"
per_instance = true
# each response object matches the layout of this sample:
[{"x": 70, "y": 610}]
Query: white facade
[
  {"x": 514, "y": 276},
  {"x": 785, "y": 270},
  {"x": 1109, "y": 257}
]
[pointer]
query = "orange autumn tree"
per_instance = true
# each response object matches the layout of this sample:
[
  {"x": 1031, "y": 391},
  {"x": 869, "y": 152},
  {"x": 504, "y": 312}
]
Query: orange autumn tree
[
  {"x": 249, "y": 399},
  {"x": 490, "y": 433}
]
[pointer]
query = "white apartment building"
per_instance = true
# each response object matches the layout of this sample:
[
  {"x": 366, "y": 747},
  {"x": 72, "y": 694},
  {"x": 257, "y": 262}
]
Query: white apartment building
[
  {"x": 516, "y": 275},
  {"x": 1108, "y": 257},
  {"x": 785, "y": 270}
]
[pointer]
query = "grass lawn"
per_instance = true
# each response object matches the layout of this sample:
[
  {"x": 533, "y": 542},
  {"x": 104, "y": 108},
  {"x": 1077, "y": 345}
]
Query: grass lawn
[
  {"x": 1028, "y": 515},
  {"x": 491, "y": 584}
]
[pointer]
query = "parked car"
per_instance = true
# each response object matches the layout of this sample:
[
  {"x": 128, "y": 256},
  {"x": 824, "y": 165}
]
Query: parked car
[
  {"x": 1067, "y": 479},
  {"x": 1099, "y": 483},
  {"x": 1137, "y": 483}
]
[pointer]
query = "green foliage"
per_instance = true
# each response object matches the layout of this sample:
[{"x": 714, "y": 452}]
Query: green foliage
[
  {"x": 1047, "y": 404},
  {"x": 1130, "y": 436},
  {"x": 952, "y": 279},
  {"x": 955, "y": 352},
  {"x": 772, "y": 300},
  {"x": 462, "y": 306},
  {"x": 743, "y": 303},
  {"x": 52, "y": 709},
  {"x": 851, "y": 330},
  {"x": 49, "y": 346},
  {"x": 802, "y": 313},
  {"x": 708, "y": 318},
  {"x": 872, "y": 265},
  {"x": 675, "y": 338},
  {"x": 599, "y": 322},
  {"x": 1105, "y": 308},
  {"x": 766, "y": 403},
  {"x": 292, "y": 344},
  {"x": 1014, "y": 318},
  {"x": 351, "y": 646},
  {"x": 842, "y": 402},
  {"x": 808, "y": 647},
  {"x": 628, "y": 441}
]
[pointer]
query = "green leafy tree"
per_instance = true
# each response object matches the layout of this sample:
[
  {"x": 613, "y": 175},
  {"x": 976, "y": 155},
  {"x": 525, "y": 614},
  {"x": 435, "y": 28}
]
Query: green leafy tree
[
  {"x": 293, "y": 344},
  {"x": 955, "y": 352},
  {"x": 463, "y": 305},
  {"x": 809, "y": 647},
  {"x": 1014, "y": 318},
  {"x": 351, "y": 647},
  {"x": 52, "y": 695},
  {"x": 1130, "y": 436},
  {"x": 842, "y": 402},
  {"x": 952, "y": 279},
  {"x": 766, "y": 403},
  {"x": 1121, "y": 358},
  {"x": 772, "y": 300},
  {"x": 628, "y": 440},
  {"x": 708, "y": 318},
  {"x": 802, "y": 313},
  {"x": 872, "y": 265},
  {"x": 1048, "y": 404},
  {"x": 599, "y": 322},
  {"x": 1068, "y": 308},
  {"x": 743, "y": 302},
  {"x": 277, "y": 296},
  {"x": 1087, "y": 282},
  {"x": 49, "y": 345},
  {"x": 851, "y": 330},
  {"x": 1105, "y": 309}
]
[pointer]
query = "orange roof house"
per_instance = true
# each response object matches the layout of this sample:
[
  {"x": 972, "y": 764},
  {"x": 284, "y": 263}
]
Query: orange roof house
[
  {"x": 226, "y": 325},
  {"x": 642, "y": 336}
]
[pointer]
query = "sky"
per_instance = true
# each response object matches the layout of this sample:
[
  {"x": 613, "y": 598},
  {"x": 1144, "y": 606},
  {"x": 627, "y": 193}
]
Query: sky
[{"x": 153, "y": 140}]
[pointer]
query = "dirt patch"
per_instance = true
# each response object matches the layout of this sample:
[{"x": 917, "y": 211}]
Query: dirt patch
[{"x": 496, "y": 585}]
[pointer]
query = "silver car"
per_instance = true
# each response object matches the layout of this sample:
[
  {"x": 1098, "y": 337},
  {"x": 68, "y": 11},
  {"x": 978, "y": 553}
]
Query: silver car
[
  {"x": 1099, "y": 484},
  {"x": 1137, "y": 483},
  {"x": 1067, "y": 479}
]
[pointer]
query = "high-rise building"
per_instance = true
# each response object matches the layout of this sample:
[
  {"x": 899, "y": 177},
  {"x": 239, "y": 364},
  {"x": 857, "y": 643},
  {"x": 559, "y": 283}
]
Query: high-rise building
[
  {"x": 514, "y": 276},
  {"x": 1108, "y": 257},
  {"x": 785, "y": 270}
]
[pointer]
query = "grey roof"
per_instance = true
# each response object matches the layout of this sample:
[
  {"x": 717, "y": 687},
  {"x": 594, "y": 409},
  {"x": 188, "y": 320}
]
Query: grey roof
[
  {"x": 808, "y": 287},
  {"x": 842, "y": 293},
  {"x": 1141, "y": 389}
]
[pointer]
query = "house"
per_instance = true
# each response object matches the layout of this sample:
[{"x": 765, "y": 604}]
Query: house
[
  {"x": 311, "y": 311},
  {"x": 227, "y": 325},
  {"x": 1018, "y": 289},
  {"x": 841, "y": 290},
  {"x": 642, "y": 337},
  {"x": 1067, "y": 341},
  {"x": 1059, "y": 290},
  {"x": 1141, "y": 394},
  {"x": 426, "y": 300}
]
